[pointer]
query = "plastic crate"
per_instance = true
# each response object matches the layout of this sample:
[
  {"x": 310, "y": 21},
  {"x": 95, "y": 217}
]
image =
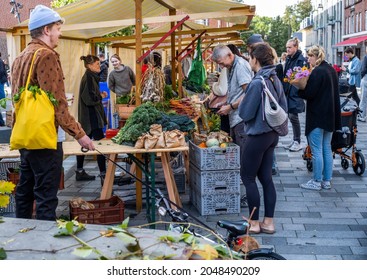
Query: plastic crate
[
  {"x": 10, "y": 208},
  {"x": 215, "y": 182},
  {"x": 106, "y": 212},
  {"x": 215, "y": 204},
  {"x": 215, "y": 158}
]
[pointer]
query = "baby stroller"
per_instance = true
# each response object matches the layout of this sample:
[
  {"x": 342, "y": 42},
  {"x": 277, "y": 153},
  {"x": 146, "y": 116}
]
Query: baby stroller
[{"x": 345, "y": 139}]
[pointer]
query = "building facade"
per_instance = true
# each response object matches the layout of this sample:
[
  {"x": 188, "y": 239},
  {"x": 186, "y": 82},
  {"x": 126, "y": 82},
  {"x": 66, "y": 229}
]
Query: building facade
[
  {"x": 11, "y": 13},
  {"x": 335, "y": 25}
]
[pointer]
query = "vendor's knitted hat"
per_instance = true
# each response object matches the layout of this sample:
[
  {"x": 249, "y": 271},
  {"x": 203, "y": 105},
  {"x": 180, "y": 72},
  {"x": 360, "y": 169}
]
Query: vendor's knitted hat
[
  {"x": 41, "y": 16},
  {"x": 255, "y": 38}
]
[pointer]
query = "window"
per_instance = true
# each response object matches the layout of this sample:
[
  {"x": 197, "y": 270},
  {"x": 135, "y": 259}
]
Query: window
[{"x": 360, "y": 22}]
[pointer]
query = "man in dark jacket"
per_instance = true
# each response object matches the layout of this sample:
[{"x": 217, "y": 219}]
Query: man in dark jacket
[
  {"x": 295, "y": 104},
  {"x": 104, "y": 68}
]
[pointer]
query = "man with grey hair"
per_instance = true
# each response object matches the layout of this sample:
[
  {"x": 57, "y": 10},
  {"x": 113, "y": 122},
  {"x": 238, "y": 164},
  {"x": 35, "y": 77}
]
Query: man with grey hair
[
  {"x": 239, "y": 76},
  {"x": 40, "y": 169}
]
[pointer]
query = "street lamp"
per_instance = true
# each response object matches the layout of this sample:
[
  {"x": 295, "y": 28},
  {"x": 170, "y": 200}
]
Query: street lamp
[{"x": 15, "y": 9}]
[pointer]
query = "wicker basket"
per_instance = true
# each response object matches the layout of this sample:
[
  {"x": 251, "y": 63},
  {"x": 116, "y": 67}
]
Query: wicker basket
[{"x": 125, "y": 110}]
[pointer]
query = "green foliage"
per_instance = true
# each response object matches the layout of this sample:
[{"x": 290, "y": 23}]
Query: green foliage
[
  {"x": 123, "y": 99},
  {"x": 294, "y": 14},
  {"x": 137, "y": 124},
  {"x": 276, "y": 31},
  {"x": 2, "y": 254},
  {"x": 67, "y": 228},
  {"x": 61, "y": 3}
]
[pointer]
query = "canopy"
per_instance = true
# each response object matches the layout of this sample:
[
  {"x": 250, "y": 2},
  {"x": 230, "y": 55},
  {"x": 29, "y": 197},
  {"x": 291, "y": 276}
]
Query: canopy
[
  {"x": 94, "y": 18},
  {"x": 351, "y": 41}
]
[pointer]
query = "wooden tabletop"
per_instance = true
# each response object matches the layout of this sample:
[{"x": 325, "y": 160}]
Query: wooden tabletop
[{"x": 103, "y": 146}]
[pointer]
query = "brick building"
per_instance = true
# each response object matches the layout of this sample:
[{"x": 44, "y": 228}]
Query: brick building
[{"x": 7, "y": 19}]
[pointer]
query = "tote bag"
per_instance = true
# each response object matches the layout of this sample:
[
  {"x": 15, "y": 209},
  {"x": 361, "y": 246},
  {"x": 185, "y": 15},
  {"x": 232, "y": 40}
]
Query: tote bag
[
  {"x": 34, "y": 126},
  {"x": 274, "y": 115}
]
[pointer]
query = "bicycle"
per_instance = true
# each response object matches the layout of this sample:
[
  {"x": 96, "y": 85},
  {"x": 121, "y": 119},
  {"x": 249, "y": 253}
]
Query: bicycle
[{"x": 235, "y": 239}]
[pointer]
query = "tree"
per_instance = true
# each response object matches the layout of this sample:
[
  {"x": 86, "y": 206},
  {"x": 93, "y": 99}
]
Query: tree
[
  {"x": 61, "y": 3},
  {"x": 294, "y": 14},
  {"x": 273, "y": 30}
]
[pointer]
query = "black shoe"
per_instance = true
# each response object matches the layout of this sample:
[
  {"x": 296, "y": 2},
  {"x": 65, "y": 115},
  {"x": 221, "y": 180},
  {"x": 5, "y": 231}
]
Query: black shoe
[
  {"x": 83, "y": 176},
  {"x": 274, "y": 171}
]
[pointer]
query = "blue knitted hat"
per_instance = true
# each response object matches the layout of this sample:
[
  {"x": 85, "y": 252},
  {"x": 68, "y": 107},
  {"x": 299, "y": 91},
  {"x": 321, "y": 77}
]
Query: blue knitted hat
[{"x": 41, "y": 16}]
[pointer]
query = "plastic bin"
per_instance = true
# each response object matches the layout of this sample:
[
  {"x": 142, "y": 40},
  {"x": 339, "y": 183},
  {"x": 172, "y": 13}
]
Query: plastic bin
[
  {"x": 214, "y": 204},
  {"x": 215, "y": 158},
  {"x": 215, "y": 182},
  {"x": 106, "y": 212}
]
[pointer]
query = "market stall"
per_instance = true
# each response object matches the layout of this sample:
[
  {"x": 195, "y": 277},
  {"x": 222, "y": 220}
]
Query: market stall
[{"x": 112, "y": 150}]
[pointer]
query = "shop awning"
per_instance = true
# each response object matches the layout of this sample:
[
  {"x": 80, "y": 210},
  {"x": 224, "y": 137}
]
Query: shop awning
[{"x": 351, "y": 41}]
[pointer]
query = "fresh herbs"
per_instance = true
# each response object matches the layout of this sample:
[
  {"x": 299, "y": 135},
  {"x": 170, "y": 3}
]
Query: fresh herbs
[{"x": 34, "y": 90}]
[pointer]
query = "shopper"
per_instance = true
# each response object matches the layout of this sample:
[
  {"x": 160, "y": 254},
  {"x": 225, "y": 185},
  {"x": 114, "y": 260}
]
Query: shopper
[
  {"x": 296, "y": 105},
  {"x": 91, "y": 113},
  {"x": 104, "y": 68},
  {"x": 40, "y": 169},
  {"x": 322, "y": 117},
  {"x": 239, "y": 76},
  {"x": 257, "y": 154},
  {"x": 363, "y": 104},
  {"x": 354, "y": 70}
]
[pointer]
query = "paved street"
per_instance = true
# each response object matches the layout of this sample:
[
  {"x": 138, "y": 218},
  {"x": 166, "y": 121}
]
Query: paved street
[{"x": 327, "y": 224}]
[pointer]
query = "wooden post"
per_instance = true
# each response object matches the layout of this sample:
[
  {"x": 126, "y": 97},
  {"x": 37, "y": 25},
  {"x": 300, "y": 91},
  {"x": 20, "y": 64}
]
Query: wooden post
[
  {"x": 173, "y": 53},
  {"x": 138, "y": 52}
]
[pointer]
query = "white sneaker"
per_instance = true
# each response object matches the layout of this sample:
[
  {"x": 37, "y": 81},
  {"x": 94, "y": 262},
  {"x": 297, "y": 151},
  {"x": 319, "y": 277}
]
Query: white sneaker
[
  {"x": 311, "y": 185},
  {"x": 289, "y": 145},
  {"x": 326, "y": 185},
  {"x": 361, "y": 119},
  {"x": 295, "y": 147}
]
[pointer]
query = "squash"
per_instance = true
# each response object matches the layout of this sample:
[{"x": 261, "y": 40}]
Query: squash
[
  {"x": 212, "y": 143},
  {"x": 202, "y": 145}
]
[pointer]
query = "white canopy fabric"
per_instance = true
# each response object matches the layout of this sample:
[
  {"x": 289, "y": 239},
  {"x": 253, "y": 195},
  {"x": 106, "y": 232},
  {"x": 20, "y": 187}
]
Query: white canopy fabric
[{"x": 96, "y": 11}]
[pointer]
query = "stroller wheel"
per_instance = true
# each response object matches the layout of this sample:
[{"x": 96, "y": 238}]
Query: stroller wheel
[
  {"x": 309, "y": 165},
  {"x": 360, "y": 165},
  {"x": 344, "y": 163}
]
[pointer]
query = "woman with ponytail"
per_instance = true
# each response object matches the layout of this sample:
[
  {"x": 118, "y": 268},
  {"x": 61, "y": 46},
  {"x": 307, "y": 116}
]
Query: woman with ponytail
[{"x": 91, "y": 113}]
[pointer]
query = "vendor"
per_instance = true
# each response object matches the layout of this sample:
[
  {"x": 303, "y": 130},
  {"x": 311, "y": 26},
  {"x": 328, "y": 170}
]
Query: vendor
[{"x": 121, "y": 80}]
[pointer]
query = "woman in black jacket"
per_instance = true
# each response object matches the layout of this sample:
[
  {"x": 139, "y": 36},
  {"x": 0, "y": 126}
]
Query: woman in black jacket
[
  {"x": 91, "y": 113},
  {"x": 322, "y": 117}
]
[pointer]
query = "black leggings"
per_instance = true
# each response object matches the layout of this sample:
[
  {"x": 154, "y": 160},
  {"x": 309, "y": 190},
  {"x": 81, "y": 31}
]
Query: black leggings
[
  {"x": 257, "y": 159},
  {"x": 96, "y": 134},
  {"x": 354, "y": 94}
]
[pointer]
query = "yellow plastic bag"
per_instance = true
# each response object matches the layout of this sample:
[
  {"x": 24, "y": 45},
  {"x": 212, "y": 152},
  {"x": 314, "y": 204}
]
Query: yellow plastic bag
[{"x": 34, "y": 126}]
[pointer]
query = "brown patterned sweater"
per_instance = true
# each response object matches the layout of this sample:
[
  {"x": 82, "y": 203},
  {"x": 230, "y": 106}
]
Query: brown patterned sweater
[{"x": 48, "y": 75}]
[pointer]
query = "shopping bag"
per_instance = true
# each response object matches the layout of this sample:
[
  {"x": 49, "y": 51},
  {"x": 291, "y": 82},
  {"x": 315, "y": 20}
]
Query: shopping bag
[{"x": 34, "y": 126}]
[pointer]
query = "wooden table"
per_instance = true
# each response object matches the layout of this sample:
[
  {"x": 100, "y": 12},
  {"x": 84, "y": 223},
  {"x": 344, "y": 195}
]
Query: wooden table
[{"x": 111, "y": 150}]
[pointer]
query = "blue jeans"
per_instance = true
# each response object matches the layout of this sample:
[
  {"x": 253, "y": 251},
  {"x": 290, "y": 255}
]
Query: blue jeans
[
  {"x": 322, "y": 155},
  {"x": 363, "y": 104},
  {"x": 2, "y": 95}
]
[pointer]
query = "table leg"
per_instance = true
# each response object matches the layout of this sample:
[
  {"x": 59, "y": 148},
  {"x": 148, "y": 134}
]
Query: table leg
[
  {"x": 170, "y": 181},
  {"x": 110, "y": 176}
]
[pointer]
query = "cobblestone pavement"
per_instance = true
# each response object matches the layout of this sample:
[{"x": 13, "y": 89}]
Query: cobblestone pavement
[{"x": 326, "y": 224}]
